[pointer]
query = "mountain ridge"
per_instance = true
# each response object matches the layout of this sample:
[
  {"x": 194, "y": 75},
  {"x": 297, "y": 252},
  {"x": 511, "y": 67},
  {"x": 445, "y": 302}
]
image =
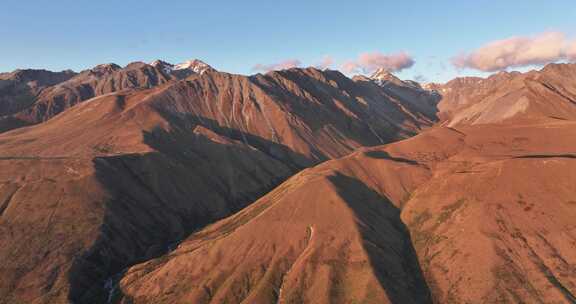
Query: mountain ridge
[
  {"x": 117, "y": 156},
  {"x": 312, "y": 186},
  {"x": 101, "y": 79}
]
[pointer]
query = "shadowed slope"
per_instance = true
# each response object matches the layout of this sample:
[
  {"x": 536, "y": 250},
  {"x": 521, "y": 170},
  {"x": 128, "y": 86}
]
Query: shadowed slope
[
  {"x": 123, "y": 209},
  {"x": 481, "y": 230},
  {"x": 395, "y": 264},
  {"x": 18, "y": 89},
  {"x": 320, "y": 114},
  {"x": 49, "y": 96},
  {"x": 318, "y": 238},
  {"x": 155, "y": 201},
  {"x": 117, "y": 179}
]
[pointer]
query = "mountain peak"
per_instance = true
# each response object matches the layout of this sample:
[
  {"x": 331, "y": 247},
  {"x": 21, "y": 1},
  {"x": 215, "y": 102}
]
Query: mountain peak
[
  {"x": 163, "y": 65},
  {"x": 384, "y": 75},
  {"x": 192, "y": 65},
  {"x": 159, "y": 62},
  {"x": 105, "y": 68},
  {"x": 196, "y": 65}
]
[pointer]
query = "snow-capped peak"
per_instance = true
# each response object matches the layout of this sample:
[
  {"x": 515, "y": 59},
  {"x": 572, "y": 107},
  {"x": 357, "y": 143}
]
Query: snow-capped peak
[
  {"x": 159, "y": 62},
  {"x": 195, "y": 65},
  {"x": 165, "y": 66},
  {"x": 105, "y": 68},
  {"x": 384, "y": 74}
]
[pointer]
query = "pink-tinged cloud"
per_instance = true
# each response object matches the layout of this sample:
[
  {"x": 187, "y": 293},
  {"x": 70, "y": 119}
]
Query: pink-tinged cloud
[
  {"x": 369, "y": 62},
  {"x": 349, "y": 67},
  {"x": 282, "y": 65},
  {"x": 516, "y": 52},
  {"x": 326, "y": 62}
]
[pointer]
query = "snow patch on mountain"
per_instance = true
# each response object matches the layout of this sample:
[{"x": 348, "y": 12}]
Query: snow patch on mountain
[{"x": 195, "y": 65}]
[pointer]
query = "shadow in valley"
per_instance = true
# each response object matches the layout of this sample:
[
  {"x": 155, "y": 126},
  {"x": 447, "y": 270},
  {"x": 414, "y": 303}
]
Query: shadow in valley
[
  {"x": 157, "y": 199},
  {"x": 194, "y": 178},
  {"x": 386, "y": 241}
]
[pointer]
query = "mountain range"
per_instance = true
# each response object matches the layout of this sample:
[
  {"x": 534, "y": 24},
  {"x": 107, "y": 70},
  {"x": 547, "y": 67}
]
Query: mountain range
[{"x": 178, "y": 183}]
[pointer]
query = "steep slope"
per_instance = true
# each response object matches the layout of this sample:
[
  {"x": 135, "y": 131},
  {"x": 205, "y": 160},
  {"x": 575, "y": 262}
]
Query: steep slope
[
  {"x": 88, "y": 205},
  {"x": 490, "y": 216},
  {"x": 320, "y": 237},
  {"x": 496, "y": 225},
  {"x": 319, "y": 114},
  {"x": 184, "y": 69},
  {"x": 53, "y": 98},
  {"x": 120, "y": 178},
  {"x": 534, "y": 95},
  {"x": 406, "y": 92},
  {"x": 19, "y": 88}
]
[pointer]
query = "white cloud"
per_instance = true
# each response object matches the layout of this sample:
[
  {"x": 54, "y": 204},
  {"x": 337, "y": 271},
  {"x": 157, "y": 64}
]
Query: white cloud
[
  {"x": 518, "y": 51},
  {"x": 370, "y": 62}
]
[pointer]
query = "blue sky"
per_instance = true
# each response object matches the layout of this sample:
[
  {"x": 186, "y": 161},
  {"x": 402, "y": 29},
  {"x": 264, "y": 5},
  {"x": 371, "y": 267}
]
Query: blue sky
[{"x": 234, "y": 36}]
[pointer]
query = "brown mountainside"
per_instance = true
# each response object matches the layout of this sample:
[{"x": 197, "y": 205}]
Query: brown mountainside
[
  {"x": 475, "y": 214},
  {"x": 51, "y": 98},
  {"x": 514, "y": 96},
  {"x": 120, "y": 178},
  {"x": 19, "y": 88},
  {"x": 161, "y": 183}
]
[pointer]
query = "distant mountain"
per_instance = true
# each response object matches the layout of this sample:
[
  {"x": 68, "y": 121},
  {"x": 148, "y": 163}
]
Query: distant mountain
[
  {"x": 54, "y": 97},
  {"x": 182, "y": 70},
  {"x": 19, "y": 88},
  {"x": 507, "y": 97},
  {"x": 406, "y": 92}
]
